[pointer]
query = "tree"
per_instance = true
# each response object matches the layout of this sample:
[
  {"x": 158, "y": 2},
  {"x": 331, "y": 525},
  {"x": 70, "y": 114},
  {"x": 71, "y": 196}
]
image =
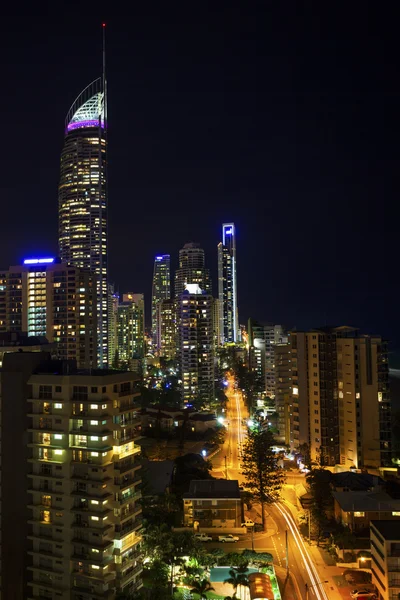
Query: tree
[
  {"x": 264, "y": 479},
  {"x": 237, "y": 577},
  {"x": 318, "y": 481},
  {"x": 201, "y": 588}
]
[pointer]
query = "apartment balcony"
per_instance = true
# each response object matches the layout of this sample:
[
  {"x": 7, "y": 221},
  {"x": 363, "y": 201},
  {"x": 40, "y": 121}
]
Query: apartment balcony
[
  {"x": 127, "y": 464},
  {"x": 84, "y": 494},
  {"x": 102, "y": 546},
  {"x": 88, "y": 557},
  {"x": 129, "y": 574},
  {"x": 127, "y": 436},
  {"x": 91, "y": 477},
  {"x": 128, "y": 497},
  {"x": 93, "y": 595},
  {"x": 47, "y": 586},
  {"x": 86, "y": 526},
  {"x": 124, "y": 482},
  {"x": 44, "y": 553},
  {"x": 47, "y": 474},
  {"x": 393, "y": 563},
  {"x": 133, "y": 525},
  {"x": 132, "y": 512}
]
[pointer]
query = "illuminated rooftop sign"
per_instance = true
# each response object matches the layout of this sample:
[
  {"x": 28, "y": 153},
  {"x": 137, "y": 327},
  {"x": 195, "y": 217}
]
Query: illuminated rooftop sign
[
  {"x": 80, "y": 124},
  {"x": 38, "y": 261}
]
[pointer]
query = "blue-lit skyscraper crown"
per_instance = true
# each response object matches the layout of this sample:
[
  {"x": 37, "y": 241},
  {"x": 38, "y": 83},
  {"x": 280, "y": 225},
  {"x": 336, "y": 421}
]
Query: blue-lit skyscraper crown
[{"x": 227, "y": 286}]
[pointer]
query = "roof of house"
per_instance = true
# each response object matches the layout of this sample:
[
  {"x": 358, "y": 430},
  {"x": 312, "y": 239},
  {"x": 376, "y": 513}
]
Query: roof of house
[
  {"x": 213, "y": 488},
  {"x": 390, "y": 530},
  {"x": 356, "y": 481},
  {"x": 366, "y": 501},
  {"x": 203, "y": 417}
]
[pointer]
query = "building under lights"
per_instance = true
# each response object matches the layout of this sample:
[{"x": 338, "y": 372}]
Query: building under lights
[
  {"x": 167, "y": 328},
  {"x": 48, "y": 299},
  {"x": 196, "y": 345},
  {"x": 192, "y": 269},
  {"x": 227, "y": 285},
  {"x": 130, "y": 330},
  {"x": 161, "y": 291},
  {"x": 82, "y": 196},
  {"x": 70, "y": 512}
]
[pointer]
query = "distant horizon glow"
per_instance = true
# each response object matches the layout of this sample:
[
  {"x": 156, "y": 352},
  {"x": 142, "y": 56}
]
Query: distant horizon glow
[{"x": 38, "y": 261}]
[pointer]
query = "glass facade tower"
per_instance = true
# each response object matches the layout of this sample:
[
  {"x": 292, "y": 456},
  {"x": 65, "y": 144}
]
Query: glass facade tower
[
  {"x": 82, "y": 197},
  {"x": 161, "y": 291},
  {"x": 227, "y": 287}
]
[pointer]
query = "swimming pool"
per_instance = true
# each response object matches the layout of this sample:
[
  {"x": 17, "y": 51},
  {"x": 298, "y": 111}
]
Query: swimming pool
[{"x": 219, "y": 574}]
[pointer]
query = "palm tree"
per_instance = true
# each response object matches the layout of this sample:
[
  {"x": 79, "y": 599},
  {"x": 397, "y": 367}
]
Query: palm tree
[
  {"x": 201, "y": 588},
  {"x": 238, "y": 576}
]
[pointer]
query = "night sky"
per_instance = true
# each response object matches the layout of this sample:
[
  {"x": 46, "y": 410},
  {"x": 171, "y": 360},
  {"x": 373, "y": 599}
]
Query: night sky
[{"x": 280, "y": 116}]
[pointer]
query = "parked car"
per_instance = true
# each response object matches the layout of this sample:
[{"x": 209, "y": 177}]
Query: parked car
[
  {"x": 362, "y": 592},
  {"x": 248, "y": 523},
  {"x": 203, "y": 537},
  {"x": 228, "y": 538}
]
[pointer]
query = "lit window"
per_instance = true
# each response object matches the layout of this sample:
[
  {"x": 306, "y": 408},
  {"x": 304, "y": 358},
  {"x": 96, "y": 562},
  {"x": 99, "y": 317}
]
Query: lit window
[
  {"x": 359, "y": 513},
  {"x": 94, "y": 501},
  {"x": 95, "y": 550},
  {"x": 45, "y": 516},
  {"x": 104, "y": 406},
  {"x": 379, "y": 396},
  {"x": 94, "y": 454},
  {"x": 105, "y": 501},
  {"x": 95, "y": 567},
  {"x": 93, "y": 406},
  {"x": 58, "y": 451},
  {"x": 105, "y": 518},
  {"x": 57, "y": 405},
  {"x": 358, "y": 395},
  {"x": 104, "y": 438},
  {"x": 104, "y": 454},
  {"x": 94, "y": 518},
  {"x": 94, "y": 422},
  {"x": 57, "y": 436},
  {"x": 94, "y": 438},
  {"x": 295, "y": 391},
  {"x": 396, "y": 513}
]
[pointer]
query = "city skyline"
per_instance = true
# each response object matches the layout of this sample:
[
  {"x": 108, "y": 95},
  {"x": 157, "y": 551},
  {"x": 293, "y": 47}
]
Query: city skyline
[{"x": 313, "y": 168}]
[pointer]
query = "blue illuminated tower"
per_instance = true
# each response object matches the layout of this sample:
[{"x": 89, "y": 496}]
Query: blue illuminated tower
[{"x": 227, "y": 286}]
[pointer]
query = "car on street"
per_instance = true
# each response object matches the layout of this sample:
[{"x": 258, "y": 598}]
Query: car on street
[
  {"x": 362, "y": 593},
  {"x": 248, "y": 523},
  {"x": 228, "y": 538},
  {"x": 203, "y": 537}
]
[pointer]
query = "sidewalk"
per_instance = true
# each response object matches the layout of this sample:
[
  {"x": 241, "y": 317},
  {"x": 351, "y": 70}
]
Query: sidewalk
[{"x": 326, "y": 573}]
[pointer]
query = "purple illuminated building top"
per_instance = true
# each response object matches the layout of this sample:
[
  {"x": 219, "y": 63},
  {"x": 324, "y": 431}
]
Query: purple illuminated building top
[{"x": 81, "y": 124}]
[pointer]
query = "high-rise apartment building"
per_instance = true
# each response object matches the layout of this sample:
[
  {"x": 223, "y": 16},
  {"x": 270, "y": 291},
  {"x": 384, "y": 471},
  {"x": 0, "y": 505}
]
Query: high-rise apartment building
[
  {"x": 161, "y": 291},
  {"x": 216, "y": 306},
  {"x": 262, "y": 341},
  {"x": 70, "y": 512},
  {"x": 192, "y": 269},
  {"x": 113, "y": 301},
  {"x": 82, "y": 196},
  {"x": 196, "y": 346},
  {"x": 130, "y": 329},
  {"x": 283, "y": 396},
  {"x": 167, "y": 328},
  {"x": 340, "y": 389},
  {"x": 227, "y": 285},
  {"x": 45, "y": 298}
]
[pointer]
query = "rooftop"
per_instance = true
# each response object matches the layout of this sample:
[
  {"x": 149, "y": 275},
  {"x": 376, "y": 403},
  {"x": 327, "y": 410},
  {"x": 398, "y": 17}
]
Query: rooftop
[
  {"x": 356, "y": 481},
  {"x": 366, "y": 501},
  {"x": 213, "y": 488},
  {"x": 390, "y": 530}
]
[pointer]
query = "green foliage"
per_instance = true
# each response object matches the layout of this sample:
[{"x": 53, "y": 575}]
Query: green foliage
[
  {"x": 257, "y": 558},
  {"x": 188, "y": 468},
  {"x": 201, "y": 588},
  {"x": 318, "y": 480},
  {"x": 263, "y": 477},
  {"x": 237, "y": 577}
]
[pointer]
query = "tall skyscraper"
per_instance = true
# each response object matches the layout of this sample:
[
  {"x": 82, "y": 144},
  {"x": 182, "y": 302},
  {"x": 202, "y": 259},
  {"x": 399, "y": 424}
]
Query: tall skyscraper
[
  {"x": 45, "y": 298},
  {"x": 192, "y": 269},
  {"x": 262, "y": 341},
  {"x": 340, "y": 396},
  {"x": 167, "y": 328},
  {"x": 196, "y": 345},
  {"x": 82, "y": 196},
  {"x": 161, "y": 291},
  {"x": 227, "y": 285},
  {"x": 130, "y": 329}
]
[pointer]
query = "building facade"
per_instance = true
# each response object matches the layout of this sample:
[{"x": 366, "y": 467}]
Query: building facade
[
  {"x": 45, "y": 298},
  {"x": 262, "y": 340},
  {"x": 130, "y": 329},
  {"x": 69, "y": 445},
  {"x": 167, "y": 329},
  {"x": 113, "y": 301},
  {"x": 196, "y": 346},
  {"x": 227, "y": 285},
  {"x": 340, "y": 388},
  {"x": 82, "y": 197},
  {"x": 161, "y": 291},
  {"x": 287, "y": 434},
  {"x": 213, "y": 503},
  {"x": 385, "y": 555},
  {"x": 192, "y": 269}
]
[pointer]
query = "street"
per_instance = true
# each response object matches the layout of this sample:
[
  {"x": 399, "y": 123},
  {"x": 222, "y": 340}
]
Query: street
[{"x": 280, "y": 523}]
